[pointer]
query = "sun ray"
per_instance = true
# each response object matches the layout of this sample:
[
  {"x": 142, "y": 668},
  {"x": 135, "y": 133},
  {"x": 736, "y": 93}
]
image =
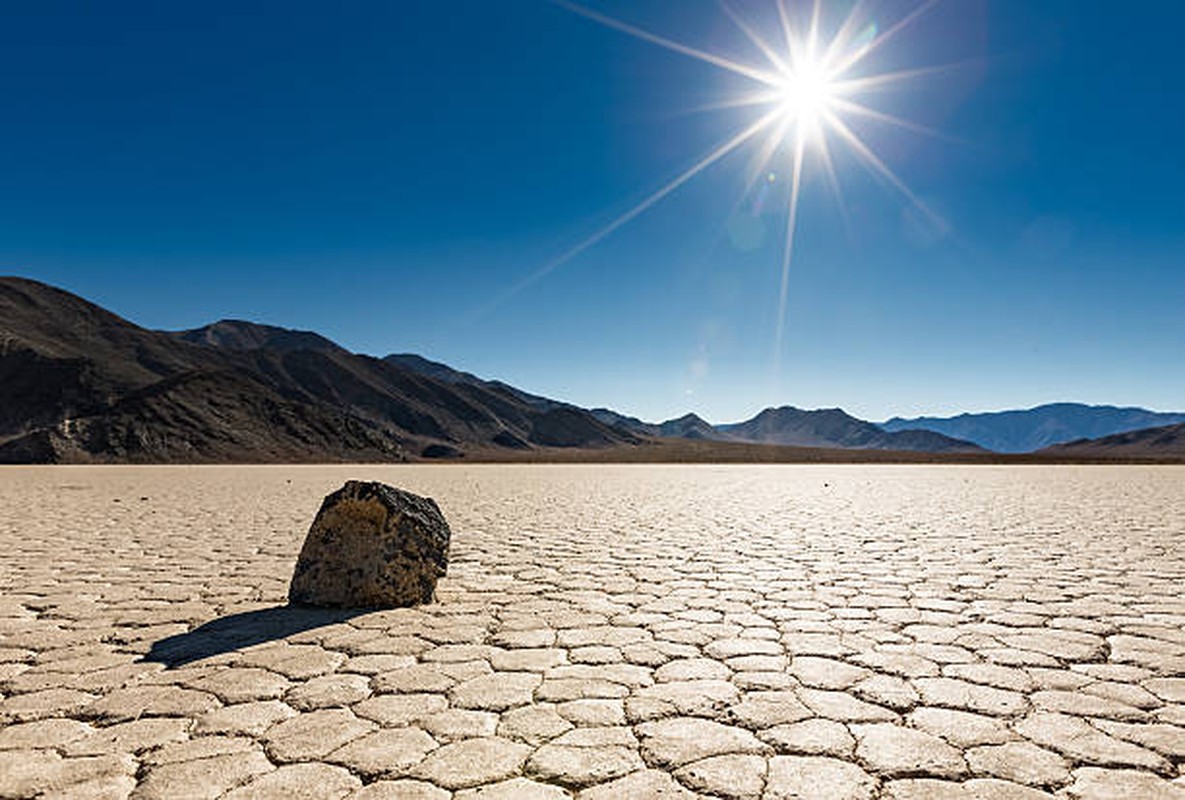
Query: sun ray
[
  {"x": 779, "y": 63},
  {"x": 856, "y": 56},
  {"x": 848, "y": 86},
  {"x": 840, "y": 41},
  {"x": 787, "y": 28},
  {"x": 832, "y": 179},
  {"x": 760, "y": 75},
  {"x": 706, "y": 161},
  {"x": 813, "y": 34},
  {"x": 878, "y": 166},
  {"x": 763, "y": 157},
  {"x": 864, "y": 111},
  {"x": 762, "y": 98},
  {"x": 788, "y": 252}
]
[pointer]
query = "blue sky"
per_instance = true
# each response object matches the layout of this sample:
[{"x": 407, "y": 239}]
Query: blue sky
[{"x": 381, "y": 172}]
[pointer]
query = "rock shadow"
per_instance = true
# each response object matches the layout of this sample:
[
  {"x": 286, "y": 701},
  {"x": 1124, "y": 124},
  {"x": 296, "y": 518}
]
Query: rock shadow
[{"x": 227, "y": 634}]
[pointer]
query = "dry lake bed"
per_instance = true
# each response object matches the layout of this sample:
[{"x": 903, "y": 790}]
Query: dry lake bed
[{"x": 603, "y": 632}]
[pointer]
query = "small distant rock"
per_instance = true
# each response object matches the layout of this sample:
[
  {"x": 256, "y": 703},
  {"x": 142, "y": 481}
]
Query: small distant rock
[{"x": 372, "y": 546}]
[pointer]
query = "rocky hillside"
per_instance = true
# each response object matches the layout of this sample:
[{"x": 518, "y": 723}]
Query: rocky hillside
[{"x": 78, "y": 383}]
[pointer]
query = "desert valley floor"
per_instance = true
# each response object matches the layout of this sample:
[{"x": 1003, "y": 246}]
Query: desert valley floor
[{"x": 603, "y": 632}]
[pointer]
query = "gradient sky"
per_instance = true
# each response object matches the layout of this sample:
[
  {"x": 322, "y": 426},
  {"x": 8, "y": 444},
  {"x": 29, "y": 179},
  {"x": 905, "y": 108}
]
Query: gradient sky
[{"x": 381, "y": 172}]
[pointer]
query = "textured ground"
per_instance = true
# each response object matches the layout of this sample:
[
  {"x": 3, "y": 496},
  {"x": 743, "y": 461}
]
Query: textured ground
[{"x": 608, "y": 632}]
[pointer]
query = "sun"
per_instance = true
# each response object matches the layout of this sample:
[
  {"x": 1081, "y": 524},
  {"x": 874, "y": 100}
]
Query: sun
[{"x": 805, "y": 95}]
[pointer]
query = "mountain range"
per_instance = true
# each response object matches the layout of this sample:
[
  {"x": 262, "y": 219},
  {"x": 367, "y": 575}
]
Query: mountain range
[
  {"x": 79, "y": 384},
  {"x": 787, "y": 426},
  {"x": 1037, "y": 428}
]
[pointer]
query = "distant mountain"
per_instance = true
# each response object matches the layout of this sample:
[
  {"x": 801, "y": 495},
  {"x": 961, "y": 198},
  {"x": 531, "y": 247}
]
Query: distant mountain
[
  {"x": 78, "y": 383},
  {"x": 1032, "y": 429},
  {"x": 832, "y": 427},
  {"x": 688, "y": 426},
  {"x": 1167, "y": 441},
  {"x": 823, "y": 428}
]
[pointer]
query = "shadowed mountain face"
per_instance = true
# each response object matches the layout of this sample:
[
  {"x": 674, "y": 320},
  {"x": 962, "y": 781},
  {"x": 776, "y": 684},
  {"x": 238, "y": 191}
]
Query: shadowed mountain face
[
  {"x": 1035, "y": 428},
  {"x": 1167, "y": 441},
  {"x": 831, "y": 427},
  {"x": 78, "y": 383}
]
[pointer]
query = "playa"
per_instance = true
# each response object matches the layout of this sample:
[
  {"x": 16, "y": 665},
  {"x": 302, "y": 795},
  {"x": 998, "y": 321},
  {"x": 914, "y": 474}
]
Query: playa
[{"x": 604, "y": 631}]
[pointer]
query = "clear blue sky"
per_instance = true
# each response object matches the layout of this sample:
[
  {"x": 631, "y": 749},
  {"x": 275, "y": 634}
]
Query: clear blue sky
[{"x": 379, "y": 171}]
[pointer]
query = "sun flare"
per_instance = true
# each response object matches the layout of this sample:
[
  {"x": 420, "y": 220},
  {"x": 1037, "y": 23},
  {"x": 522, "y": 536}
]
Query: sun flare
[{"x": 814, "y": 81}]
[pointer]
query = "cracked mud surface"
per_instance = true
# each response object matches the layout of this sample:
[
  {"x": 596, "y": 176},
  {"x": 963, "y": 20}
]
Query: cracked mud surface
[{"x": 603, "y": 632}]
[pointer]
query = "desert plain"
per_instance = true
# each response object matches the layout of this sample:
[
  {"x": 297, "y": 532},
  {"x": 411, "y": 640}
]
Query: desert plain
[{"x": 822, "y": 631}]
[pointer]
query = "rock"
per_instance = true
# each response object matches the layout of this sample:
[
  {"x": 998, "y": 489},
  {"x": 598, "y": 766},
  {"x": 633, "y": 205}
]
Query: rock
[{"x": 372, "y": 546}]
